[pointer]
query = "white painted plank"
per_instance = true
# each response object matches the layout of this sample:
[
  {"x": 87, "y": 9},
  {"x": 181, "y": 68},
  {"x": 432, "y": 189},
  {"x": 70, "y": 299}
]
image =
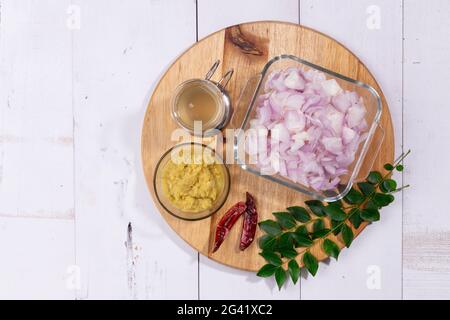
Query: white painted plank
[
  {"x": 36, "y": 148},
  {"x": 37, "y": 258},
  {"x": 215, "y": 15},
  {"x": 372, "y": 29},
  {"x": 36, "y": 151},
  {"x": 427, "y": 222},
  {"x": 231, "y": 283},
  {"x": 120, "y": 52},
  {"x": 219, "y": 282}
]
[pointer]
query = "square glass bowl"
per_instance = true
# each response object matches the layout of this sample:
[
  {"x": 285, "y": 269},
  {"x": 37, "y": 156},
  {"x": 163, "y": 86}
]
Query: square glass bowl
[{"x": 366, "y": 153}]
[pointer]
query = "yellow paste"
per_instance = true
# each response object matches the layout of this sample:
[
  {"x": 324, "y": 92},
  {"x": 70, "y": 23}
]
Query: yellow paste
[{"x": 193, "y": 186}]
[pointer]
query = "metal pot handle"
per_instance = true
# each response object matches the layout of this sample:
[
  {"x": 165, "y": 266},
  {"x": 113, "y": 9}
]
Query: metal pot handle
[
  {"x": 212, "y": 70},
  {"x": 225, "y": 79}
]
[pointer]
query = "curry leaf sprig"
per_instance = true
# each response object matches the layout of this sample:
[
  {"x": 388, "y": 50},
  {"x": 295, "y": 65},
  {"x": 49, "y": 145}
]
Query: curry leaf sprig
[{"x": 290, "y": 237}]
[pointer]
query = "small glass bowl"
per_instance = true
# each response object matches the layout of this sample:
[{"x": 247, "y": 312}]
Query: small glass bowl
[{"x": 165, "y": 202}]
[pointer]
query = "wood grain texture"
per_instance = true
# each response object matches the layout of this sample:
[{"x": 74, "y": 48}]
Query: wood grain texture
[
  {"x": 120, "y": 52},
  {"x": 374, "y": 33},
  {"x": 217, "y": 14},
  {"x": 38, "y": 260},
  {"x": 124, "y": 250},
  {"x": 270, "y": 39},
  {"x": 232, "y": 283},
  {"x": 35, "y": 119},
  {"x": 426, "y": 77},
  {"x": 36, "y": 151}
]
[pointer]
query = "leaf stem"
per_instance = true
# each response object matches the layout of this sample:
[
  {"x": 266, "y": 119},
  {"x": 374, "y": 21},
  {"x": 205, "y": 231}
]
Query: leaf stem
[
  {"x": 401, "y": 157},
  {"x": 349, "y": 209},
  {"x": 339, "y": 225},
  {"x": 307, "y": 249},
  {"x": 400, "y": 189}
]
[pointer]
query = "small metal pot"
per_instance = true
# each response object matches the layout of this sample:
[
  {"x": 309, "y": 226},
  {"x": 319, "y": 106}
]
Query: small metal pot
[{"x": 217, "y": 90}]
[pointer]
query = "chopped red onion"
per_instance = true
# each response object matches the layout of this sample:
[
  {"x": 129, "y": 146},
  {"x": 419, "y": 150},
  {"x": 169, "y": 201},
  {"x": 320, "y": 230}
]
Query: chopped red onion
[{"x": 309, "y": 128}]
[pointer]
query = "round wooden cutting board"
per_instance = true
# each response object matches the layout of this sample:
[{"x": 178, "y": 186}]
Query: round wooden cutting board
[{"x": 246, "y": 48}]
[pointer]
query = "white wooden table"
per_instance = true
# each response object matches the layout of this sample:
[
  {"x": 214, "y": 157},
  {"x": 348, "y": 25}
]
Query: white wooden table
[{"x": 76, "y": 219}]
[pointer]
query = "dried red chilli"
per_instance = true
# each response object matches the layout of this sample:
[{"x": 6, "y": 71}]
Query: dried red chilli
[
  {"x": 250, "y": 222},
  {"x": 227, "y": 221}
]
